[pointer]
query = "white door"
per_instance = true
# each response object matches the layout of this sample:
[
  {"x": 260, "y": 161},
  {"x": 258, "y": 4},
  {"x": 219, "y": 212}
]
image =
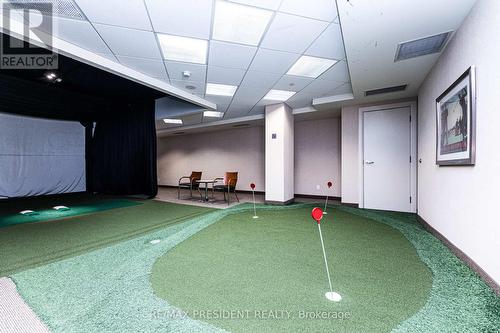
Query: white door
[{"x": 386, "y": 160}]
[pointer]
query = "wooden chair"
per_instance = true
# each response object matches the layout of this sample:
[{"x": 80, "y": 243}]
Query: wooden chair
[
  {"x": 190, "y": 184},
  {"x": 228, "y": 185}
]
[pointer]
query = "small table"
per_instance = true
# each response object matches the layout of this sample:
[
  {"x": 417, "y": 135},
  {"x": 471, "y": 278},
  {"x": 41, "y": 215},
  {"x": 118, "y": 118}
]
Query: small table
[{"x": 206, "y": 182}]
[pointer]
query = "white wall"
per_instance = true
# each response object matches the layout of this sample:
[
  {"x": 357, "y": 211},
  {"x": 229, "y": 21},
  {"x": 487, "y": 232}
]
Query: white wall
[
  {"x": 350, "y": 154},
  {"x": 317, "y": 156},
  {"x": 461, "y": 202},
  {"x": 214, "y": 153},
  {"x": 279, "y": 153}
]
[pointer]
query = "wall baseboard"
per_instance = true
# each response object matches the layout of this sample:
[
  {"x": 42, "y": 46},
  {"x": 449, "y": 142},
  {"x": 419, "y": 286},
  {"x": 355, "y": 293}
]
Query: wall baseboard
[
  {"x": 349, "y": 204},
  {"x": 313, "y": 196},
  {"x": 306, "y": 196},
  {"x": 462, "y": 256},
  {"x": 279, "y": 203}
]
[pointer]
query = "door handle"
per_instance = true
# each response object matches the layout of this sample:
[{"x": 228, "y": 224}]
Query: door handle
[{"x": 369, "y": 162}]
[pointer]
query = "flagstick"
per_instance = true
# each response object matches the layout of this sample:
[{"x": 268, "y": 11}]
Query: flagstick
[
  {"x": 326, "y": 203},
  {"x": 254, "y": 210},
  {"x": 324, "y": 256},
  {"x": 317, "y": 215}
]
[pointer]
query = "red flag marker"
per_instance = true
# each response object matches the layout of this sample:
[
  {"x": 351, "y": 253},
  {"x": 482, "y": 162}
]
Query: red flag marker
[
  {"x": 252, "y": 186},
  {"x": 317, "y": 215}
]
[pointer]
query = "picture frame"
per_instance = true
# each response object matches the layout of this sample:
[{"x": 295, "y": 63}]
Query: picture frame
[{"x": 456, "y": 122}]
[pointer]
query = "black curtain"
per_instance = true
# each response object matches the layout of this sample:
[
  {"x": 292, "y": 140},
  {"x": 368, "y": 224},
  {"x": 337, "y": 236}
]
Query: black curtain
[{"x": 123, "y": 151}]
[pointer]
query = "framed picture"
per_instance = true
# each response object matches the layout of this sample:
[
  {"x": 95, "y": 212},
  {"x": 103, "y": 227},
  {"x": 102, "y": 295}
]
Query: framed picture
[{"x": 456, "y": 122}]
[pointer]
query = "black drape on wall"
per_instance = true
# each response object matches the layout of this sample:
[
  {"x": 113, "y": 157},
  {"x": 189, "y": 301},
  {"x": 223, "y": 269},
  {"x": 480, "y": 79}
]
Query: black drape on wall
[{"x": 123, "y": 152}]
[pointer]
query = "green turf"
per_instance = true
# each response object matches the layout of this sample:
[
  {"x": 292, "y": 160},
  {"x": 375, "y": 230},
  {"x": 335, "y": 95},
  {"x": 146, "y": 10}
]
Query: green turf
[
  {"x": 27, "y": 245},
  {"x": 74, "y": 210},
  {"x": 109, "y": 289},
  {"x": 276, "y": 263}
]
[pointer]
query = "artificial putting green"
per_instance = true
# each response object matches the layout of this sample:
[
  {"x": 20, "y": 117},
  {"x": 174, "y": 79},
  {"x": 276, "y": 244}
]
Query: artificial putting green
[
  {"x": 24, "y": 246},
  {"x": 268, "y": 275},
  {"x": 109, "y": 289},
  {"x": 49, "y": 214}
]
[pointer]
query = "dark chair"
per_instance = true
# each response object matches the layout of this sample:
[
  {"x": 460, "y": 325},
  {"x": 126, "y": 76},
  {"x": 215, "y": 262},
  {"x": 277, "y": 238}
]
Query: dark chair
[
  {"x": 190, "y": 183},
  {"x": 228, "y": 185}
]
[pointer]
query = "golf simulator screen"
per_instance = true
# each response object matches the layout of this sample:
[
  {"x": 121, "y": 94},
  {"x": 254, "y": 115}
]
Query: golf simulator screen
[{"x": 40, "y": 156}]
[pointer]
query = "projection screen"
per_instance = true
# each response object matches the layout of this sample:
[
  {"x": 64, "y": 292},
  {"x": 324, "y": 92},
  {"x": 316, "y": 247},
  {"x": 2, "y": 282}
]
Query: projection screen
[{"x": 40, "y": 156}]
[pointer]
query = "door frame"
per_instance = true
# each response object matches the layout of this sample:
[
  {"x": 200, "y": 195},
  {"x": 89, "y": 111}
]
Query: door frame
[{"x": 413, "y": 148}]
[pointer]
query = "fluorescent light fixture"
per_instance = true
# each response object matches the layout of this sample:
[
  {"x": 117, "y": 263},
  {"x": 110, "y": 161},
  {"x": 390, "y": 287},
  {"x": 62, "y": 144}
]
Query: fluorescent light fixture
[
  {"x": 220, "y": 89},
  {"x": 183, "y": 49},
  {"x": 278, "y": 95},
  {"x": 311, "y": 66},
  {"x": 239, "y": 23},
  {"x": 172, "y": 121},
  {"x": 51, "y": 76},
  {"x": 213, "y": 114}
]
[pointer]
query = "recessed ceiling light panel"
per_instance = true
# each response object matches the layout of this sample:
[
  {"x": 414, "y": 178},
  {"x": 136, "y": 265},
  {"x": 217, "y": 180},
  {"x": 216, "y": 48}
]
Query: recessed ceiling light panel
[
  {"x": 220, "y": 89},
  {"x": 213, "y": 114},
  {"x": 239, "y": 23},
  {"x": 422, "y": 46},
  {"x": 172, "y": 121},
  {"x": 183, "y": 49},
  {"x": 278, "y": 95},
  {"x": 311, "y": 66}
]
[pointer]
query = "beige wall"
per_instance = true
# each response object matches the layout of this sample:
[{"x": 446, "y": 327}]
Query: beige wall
[
  {"x": 317, "y": 155},
  {"x": 214, "y": 153},
  {"x": 461, "y": 202}
]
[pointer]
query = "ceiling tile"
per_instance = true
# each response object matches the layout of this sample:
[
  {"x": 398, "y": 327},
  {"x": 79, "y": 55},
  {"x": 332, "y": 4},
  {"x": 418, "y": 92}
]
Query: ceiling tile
[
  {"x": 343, "y": 89},
  {"x": 338, "y": 72},
  {"x": 189, "y": 18},
  {"x": 321, "y": 88},
  {"x": 299, "y": 100},
  {"x": 151, "y": 67},
  {"x": 292, "y": 33},
  {"x": 131, "y": 14},
  {"x": 222, "y": 75},
  {"x": 291, "y": 82},
  {"x": 235, "y": 110},
  {"x": 230, "y": 55},
  {"x": 199, "y": 87},
  {"x": 267, "y": 4},
  {"x": 249, "y": 95},
  {"x": 175, "y": 69},
  {"x": 260, "y": 79},
  {"x": 325, "y": 10},
  {"x": 130, "y": 42},
  {"x": 273, "y": 61},
  {"x": 329, "y": 44},
  {"x": 80, "y": 33},
  {"x": 219, "y": 99},
  {"x": 258, "y": 109}
]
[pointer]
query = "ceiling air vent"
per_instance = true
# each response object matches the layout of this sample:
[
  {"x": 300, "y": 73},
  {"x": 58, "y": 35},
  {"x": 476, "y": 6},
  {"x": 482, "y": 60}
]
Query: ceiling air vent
[
  {"x": 422, "y": 46},
  {"x": 385, "y": 90},
  {"x": 62, "y": 8}
]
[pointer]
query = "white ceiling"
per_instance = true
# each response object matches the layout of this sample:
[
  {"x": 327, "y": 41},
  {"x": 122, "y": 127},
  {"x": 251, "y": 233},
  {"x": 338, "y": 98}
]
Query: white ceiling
[
  {"x": 372, "y": 31},
  {"x": 126, "y": 32}
]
